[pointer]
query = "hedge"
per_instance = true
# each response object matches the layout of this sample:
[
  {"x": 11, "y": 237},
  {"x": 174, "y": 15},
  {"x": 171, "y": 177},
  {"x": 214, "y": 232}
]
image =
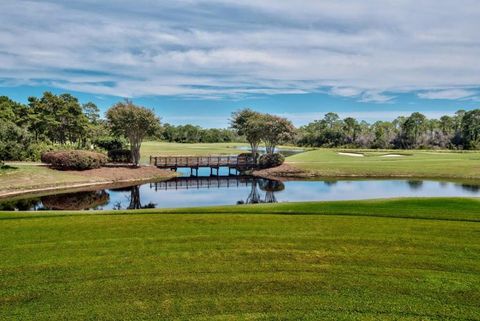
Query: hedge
[{"x": 74, "y": 159}]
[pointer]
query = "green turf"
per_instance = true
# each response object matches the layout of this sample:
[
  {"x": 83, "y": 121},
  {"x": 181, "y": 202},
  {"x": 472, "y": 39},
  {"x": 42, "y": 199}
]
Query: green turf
[
  {"x": 153, "y": 148},
  {"x": 420, "y": 164},
  {"x": 407, "y": 259}
]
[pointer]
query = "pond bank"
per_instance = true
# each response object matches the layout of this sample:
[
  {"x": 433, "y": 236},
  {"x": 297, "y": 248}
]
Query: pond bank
[{"x": 34, "y": 179}]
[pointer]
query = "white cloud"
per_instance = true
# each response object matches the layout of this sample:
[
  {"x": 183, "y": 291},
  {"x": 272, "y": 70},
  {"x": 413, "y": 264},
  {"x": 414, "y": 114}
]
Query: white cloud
[
  {"x": 448, "y": 94},
  {"x": 366, "y": 50}
]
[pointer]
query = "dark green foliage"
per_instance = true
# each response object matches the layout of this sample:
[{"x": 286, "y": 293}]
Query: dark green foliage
[
  {"x": 196, "y": 134},
  {"x": 120, "y": 156},
  {"x": 471, "y": 129},
  {"x": 74, "y": 159},
  {"x": 271, "y": 160},
  {"x": 16, "y": 143},
  {"x": 135, "y": 123},
  {"x": 110, "y": 143},
  {"x": 461, "y": 131}
]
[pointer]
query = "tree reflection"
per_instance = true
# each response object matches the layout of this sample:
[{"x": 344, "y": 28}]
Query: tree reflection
[
  {"x": 135, "y": 202},
  {"x": 414, "y": 184},
  {"x": 20, "y": 205},
  {"x": 266, "y": 185}
]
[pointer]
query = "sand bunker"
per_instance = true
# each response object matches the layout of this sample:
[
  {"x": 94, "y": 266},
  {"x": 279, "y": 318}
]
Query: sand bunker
[
  {"x": 392, "y": 155},
  {"x": 352, "y": 154}
]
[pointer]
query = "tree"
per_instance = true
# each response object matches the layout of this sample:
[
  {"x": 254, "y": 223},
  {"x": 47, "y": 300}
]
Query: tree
[
  {"x": 275, "y": 130},
  {"x": 92, "y": 112},
  {"x": 412, "y": 128},
  {"x": 248, "y": 123},
  {"x": 351, "y": 129},
  {"x": 134, "y": 123},
  {"x": 57, "y": 118},
  {"x": 471, "y": 129}
]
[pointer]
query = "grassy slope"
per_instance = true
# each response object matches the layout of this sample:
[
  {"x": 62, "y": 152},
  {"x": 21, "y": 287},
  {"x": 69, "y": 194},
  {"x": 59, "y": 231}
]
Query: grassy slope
[
  {"x": 427, "y": 164},
  {"x": 31, "y": 176},
  {"x": 352, "y": 264},
  {"x": 28, "y": 176}
]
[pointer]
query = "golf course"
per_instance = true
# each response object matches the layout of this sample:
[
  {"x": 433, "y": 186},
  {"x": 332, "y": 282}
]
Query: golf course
[
  {"x": 390, "y": 259},
  {"x": 408, "y": 259}
]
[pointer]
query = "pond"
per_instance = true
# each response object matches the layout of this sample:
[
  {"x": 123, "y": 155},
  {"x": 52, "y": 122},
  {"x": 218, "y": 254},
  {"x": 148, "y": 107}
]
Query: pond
[{"x": 231, "y": 190}]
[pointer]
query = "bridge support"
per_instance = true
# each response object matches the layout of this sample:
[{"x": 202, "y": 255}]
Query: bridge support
[{"x": 193, "y": 171}]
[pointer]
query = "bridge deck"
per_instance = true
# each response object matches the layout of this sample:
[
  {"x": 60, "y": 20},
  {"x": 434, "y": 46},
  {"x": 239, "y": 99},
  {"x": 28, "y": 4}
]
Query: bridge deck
[{"x": 174, "y": 162}]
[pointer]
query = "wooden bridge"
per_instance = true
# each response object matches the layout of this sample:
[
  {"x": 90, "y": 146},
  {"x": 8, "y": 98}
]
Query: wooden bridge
[{"x": 239, "y": 163}]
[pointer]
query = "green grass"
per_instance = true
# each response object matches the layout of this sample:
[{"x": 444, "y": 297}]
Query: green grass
[
  {"x": 161, "y": 148},
  {"x": 406, "y": 259},
  {"x": 30, "y": 176},
  {"x": 420, "y": 164}
]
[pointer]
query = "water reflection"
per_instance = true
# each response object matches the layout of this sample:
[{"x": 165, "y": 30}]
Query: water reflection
[
  {"x": 228, "y": 190},
  {"x": 76, "y": 201}
]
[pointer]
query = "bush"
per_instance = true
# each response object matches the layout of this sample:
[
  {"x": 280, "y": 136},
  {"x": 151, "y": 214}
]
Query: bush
[
  {"x": 271, "y": 160},
  {"x": 110, "y": 143},
  {"x": 74, "y": 159},
  {"x": 120, "y": 156}
]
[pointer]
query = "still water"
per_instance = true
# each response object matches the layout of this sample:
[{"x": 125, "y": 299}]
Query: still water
[{"x": 231, "y": 190}]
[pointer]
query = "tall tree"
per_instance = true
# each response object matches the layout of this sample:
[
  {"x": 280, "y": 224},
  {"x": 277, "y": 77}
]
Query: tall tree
[
  {"x": 471, "y": 129},
  {"x": 248, "y": 123},
  {"x": 275, "y": 130},
  {"x": 134, "y": 123}
]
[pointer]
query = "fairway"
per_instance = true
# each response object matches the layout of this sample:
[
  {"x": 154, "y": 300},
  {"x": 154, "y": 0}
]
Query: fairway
[
  {"x": 410, "y": 259},
  {"x": 154, "y": 148},
  {"x": 419, "y": 164}
]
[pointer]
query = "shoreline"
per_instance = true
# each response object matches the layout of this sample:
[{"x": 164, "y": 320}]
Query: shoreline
[
  {"x": 283, "y": 173},
  {"x": 288, "y": 172},
  {"x": 111, "y": 177}
]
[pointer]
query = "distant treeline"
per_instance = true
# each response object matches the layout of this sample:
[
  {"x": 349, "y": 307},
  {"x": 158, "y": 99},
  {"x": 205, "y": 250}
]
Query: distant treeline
[
  {"x": 196, "y": 134},
  {"x": 461, "y": 131},
  {"x": 62, "y": 122}
]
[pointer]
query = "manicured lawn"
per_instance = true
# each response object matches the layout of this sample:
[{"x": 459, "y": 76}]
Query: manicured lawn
[
  {"x": 426, "y": 164},
  {"x": 160, "y": 148},
  {"x": 410, "y": 259}
]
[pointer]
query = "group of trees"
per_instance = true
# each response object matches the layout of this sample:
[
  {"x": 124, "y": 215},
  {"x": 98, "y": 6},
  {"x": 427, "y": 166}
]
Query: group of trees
[
  {"x": 28, "y": 130},
  {"x": 461, "y": 131},
  {"x": 196, "y": 134},
  {"x": 257, "y": 128},
  {"x": 62, "y": 122}
]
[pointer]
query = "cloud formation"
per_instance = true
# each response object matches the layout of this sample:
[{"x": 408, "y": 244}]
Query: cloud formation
[{"x": 367, "y": 50}]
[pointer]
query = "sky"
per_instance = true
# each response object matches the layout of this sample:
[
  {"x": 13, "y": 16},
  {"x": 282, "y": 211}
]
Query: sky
[{"x": 196, "y": 61}]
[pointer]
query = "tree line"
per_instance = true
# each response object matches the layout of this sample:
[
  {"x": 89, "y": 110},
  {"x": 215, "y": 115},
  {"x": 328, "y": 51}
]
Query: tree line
[
  {"x": 62, "y": 122},
  {"x": 460, "y": 131}
]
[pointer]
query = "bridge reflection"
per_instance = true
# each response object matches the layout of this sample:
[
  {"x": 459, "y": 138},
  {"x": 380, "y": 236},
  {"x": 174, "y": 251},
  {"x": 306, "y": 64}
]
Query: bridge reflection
[{"x": 261, "y": 190}]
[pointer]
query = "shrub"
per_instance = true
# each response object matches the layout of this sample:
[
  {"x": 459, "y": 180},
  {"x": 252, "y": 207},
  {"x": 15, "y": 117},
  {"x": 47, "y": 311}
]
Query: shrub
[
  {"x": 74, "y": 159},
  {"x": 120, "y": 156},
  {"x": 110, "y": 143},
  {"x": 271, "y": 160}
]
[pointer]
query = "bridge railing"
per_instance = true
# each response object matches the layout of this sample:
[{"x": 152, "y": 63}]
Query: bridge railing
[{"x": 202, "y": 161}]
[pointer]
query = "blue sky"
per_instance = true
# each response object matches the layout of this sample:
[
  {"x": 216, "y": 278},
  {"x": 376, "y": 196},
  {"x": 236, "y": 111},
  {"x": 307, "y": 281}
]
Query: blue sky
[{"x": 196, "y": 61}]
